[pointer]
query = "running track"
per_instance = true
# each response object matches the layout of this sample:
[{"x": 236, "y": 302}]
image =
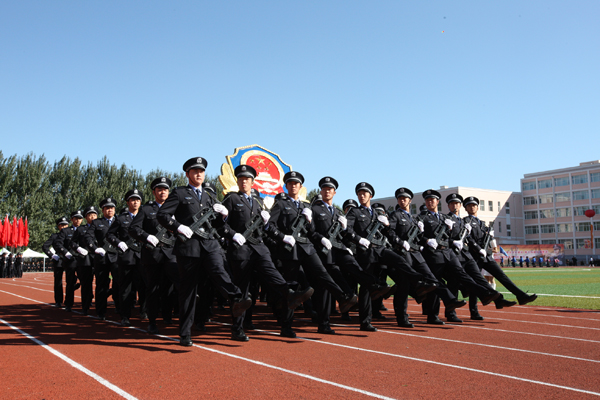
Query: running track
[{"x": 521, "y": 352}]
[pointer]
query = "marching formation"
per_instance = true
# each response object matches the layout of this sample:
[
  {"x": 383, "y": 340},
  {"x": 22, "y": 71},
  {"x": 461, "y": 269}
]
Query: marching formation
[{"x": 174, "y": 254}]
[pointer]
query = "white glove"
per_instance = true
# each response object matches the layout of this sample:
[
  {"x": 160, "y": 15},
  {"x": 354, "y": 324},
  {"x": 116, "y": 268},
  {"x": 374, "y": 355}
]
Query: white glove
[
  {"x": 350, "y": 251},
  {"x": 483, "y": 252},
  {"x": 152, "y": 240},
  {"x": 325, "y": 242},
  {"x": 458, "y": 244},
  {"x": 100, "y": 251},
  {"x": 421, "y": 226},
  {"x": 432, "y": 243},
  {"x": 406, "y": 245},
  {"x": 221, "y": 209},
  {"x": 287, "y": 239},
  {"x": 239, "y": 239},
  {"x": 123, "y": 246},
  {"x": 421, "y": 248},
  {"x": 69, "y": 255},
  {"x": 343, "y": 221},
  {"x": 265, "y": 216},
  {"x": 307, "y": 212},
  {"x": 364, "y": 242},
  {"x": 492, "y": 233},
  {"x": 493, "y": 243},
  {"x": 468, "y": 227},
  {"x": 185, "y": 231},
  {"x": 82, "y": 251},
  {"x": 449, "y": 222},
  {"x": 383, "y": 219},
  {"x": 55, "y": 257}
]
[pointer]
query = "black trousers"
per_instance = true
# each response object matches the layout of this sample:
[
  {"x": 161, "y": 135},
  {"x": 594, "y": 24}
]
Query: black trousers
[
  {"x": 103, "y": 269},
  {"x": 71, "y": 279},
  {"x": 494, "y": 269},
  {"x": 58, "y": 284},
  {"x": 86, "y": 278},
  {"x": 160, "y": 278},
  {"x": 130, "y": 282}
]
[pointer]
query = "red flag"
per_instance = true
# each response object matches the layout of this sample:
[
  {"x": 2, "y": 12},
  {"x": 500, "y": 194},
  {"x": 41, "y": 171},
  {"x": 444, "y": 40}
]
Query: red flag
[
  {"x": 26, "y": 234},
  {"x": 6, "y": 234},
  {"x": 20, "y": 233},
  {"x": 15, "y": 233}
]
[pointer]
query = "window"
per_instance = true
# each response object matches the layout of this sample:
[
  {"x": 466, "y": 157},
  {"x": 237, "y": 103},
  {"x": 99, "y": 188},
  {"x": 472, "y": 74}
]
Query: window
[
  {"x": 529, "y": 200},
  {"x": 490, "y": 205},
  {"x": 548, "y": 241},
  {"x": 532, "y": 230},
  {"x": 568, "y": 243},
  {"x": 413, "y": 209},
  {"x": 507, "y": 211},
  {"x": 562, "y": 228},
  {"x": 597, "y": 226},
  {"x": 499, "y": 226},
  {"x": 595, "y": 177},
  {"x": 563, "y": 212},
  {"x": 439, "y": 207},
  {"x": 499, "y": 206},
  {"x": 561, "y": 181},
  {"x": 560, "y": 197},
  {"x": 578, "y": 211},
  {"x": 581, "y": 195},
  {"x": 596, "y": 208},
  {"x": 596, "y": 243},
  {"x": 528, "y": 185},
  {"x": 580, "y": 243},
  {"x": 508, "y": 233},
  {"x": 508, "y": 227},
  {"x": 532, "y": 242},
  {"x": 582, "y": 226},
  {"x": 547, "y": 228},
  {"x": 595, "y": 193},
  {"x": 482, "y": 205},
  {"x": 577, "y": 179},
  {"x": 507, "y": 205},
  {"x": 546, "y": 213},
  {"x": 531, "y": 214},
  {"x": 546, "y": 198},
  {"x": 546, "y": 183}
]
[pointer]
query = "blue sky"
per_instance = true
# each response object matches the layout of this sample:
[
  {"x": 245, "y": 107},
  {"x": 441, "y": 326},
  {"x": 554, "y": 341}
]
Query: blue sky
[{"x": 396, "y": 93}]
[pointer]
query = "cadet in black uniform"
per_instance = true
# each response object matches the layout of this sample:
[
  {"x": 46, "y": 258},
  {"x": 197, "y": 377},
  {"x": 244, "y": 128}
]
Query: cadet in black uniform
[
  {"x": 335, "y": 256},
  {"x": 442, "y": 261},
  {"x": 130, "y": 278},
  {"x": 85, "y": 270},
  {"x": 105, "y": 258},
  {"x": 247, "y": 253},
  {"x": 484, "y": 260},
  {"x": 62, "y": 244},
  {"x": 296, "y": 250},
  {"x": 159, "y": 266},
  {"x": 58, "y": 268},
  {"x": 197, "y": 254},
  {"x": 403, "y": 227}
]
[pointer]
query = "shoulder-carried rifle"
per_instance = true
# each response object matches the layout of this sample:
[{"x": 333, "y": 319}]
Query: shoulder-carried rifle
[
  {"x": 487, "y": 239},
  {"x": 164, "y": 236},
  {"x": 374, "y": 234},
  {"x": 252, "y": 226},
  {"x": 299, "y": 226},
  {"x": 202, "y": 223}
]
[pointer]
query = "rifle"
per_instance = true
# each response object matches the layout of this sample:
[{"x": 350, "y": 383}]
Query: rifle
[
  {"x": 133, "y": 245},
  {"x": 333, "y": 235},
  {"x": 374, "y": 234},
  {"x": 202, "y": 223},
  {"x": 487, "y": 239},
  {"x": 252, "y": 226},
  {"x": 109, "y": 248},
  {"x": 163, "y": 236},
  {"x": 462, "y": 236},
  {"x": 299, "y": 226},
  {"x": 440, "y": 235},
  {"x": 413, "y": 234}
]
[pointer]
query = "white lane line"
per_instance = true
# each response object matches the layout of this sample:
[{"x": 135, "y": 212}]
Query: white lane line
[
  {"x": 313, "y": 378},
  {"x": 34, "y": 288},
  {"x": 72, "y": 363},
  {"x": 562, "y": 295}
]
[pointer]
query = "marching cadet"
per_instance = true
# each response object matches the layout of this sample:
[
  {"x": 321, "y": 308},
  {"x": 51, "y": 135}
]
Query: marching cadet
[
  {"x": 158, "y": 263},
  {"x": 197, "y": 254},
  {"x": 3, "y": 265},
  {"x": 296, "y": 248},
  {"x": 442, "y": 260},
  {"x": 404, "y": 234},
  {"x": 62, "y": 244},
  {"x": 460, "y": 242},
  {"x": 129, "y": 277},
  {"x": 105, "y": 258},
  {"x": 335, "y": 256},
  {"x": 247, "y": 253},
  {"x": 85, "y": 270},
  {"x": 58, "y": 268},
  {"x": 485, "y": 261}
]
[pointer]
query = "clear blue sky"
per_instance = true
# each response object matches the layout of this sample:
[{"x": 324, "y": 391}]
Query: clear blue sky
[{"x": 396, "y": 93}]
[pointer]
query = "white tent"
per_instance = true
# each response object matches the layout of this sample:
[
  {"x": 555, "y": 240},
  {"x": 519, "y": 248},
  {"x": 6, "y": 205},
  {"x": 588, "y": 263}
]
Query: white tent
[{"x": 33, "y": 254}]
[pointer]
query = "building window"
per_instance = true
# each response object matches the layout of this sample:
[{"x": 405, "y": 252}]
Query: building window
[
  {"x": 563, "y": 212},
  {"x": 529, "y": 200},
  {"x": 581, "y": 195},
  {"x": 531, "y": 214},
  {"x": 561, "y": 181},
  {"x": 547, "y": 228},
  {"x": 507, "y": 205},
  {"x": 499, "y": 208},
  {"x": 548, "y": 241},
  {"x": 595, "y": 193},
  {"x": 439, "y": 207},
  {"x": 546, "y": 198},
  {"x": 580, "y": 243},
  {"x": 560, "y": 197},
  {"x": 532, "y": 230},
  {"x": 500, "y": 226},
  {"x": 508, "y": 227},
  {"x": 491, "y": 206},
  {"x": 528, "y": 185},
  {"x": 595, "y": 177},
  {"x": 568, "y": 243},
  {"x": 578, "y": 211},
  {"x": 596, "y": 243},
  {"x": 482, "y": 205},
  {"x": 577, "y": 179},
  {"x": 562, "y": 228},
  {"x": 413, "y": 209},
  {"x": 508, "y": 233},
  {"x": 597, "y": 226},
  {"x": 532, "y": 242},
  {"x": 546, "y": 213},
  {"x": 582, "y": 226},
  {"x": 507, "y": 211},
  {"x": 596, "y": 208},
  {"x": 546, "y": 183}
]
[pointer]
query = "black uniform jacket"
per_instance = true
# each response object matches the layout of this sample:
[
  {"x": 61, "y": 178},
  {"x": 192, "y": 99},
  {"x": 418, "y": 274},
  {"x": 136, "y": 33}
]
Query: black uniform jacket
[
  {"x": 478, "y": 232},
  {"x": 119, "y": 232},
  {"x": 359, "y": 220},
  {"x": 431, "y": 223},
  {"x": 95, "y": 236},
  {"x": 46, "y": 249},
  {"x": 78, "y": 240},
  {"x": 62, "y": 242},
  {"x": 400, "y": 225},
  {"x": 179, "y": 209},
  {"x": 146, "y": 223},
  {"x": 323, "y": 221}
]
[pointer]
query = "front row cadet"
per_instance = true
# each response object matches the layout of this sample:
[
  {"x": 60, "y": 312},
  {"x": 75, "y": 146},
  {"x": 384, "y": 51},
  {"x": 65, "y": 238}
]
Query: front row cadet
[
  {"x": 85, "y": 269},
  {"x": 247, "y": 252},
  {"x": 158, "y": 263},
  {"x": 58, "y": 268},
  {"x": 291, "y": 225},
  {"x": 62, "y": 244},
  {"x": 197, "y": 250}
]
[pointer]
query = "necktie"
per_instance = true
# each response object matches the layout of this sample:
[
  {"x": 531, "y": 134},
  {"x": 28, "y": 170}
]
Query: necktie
[
  {"x": 249, "y": 198},
  {"x": 199, "y": 193},
  {"x": 331, "y": 210}
]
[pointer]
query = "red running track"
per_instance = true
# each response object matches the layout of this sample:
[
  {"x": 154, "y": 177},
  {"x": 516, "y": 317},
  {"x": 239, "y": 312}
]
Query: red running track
[{"x": 520, "y": 352}]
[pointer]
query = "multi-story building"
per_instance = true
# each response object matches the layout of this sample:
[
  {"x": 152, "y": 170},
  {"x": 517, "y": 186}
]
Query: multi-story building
[{"x": 554, "y": 205}]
